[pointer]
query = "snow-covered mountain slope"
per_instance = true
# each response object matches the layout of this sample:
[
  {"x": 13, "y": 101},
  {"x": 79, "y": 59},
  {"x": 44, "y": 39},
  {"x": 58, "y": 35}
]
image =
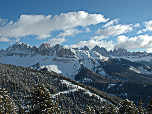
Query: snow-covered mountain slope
[
  {"x": 123, "y": 53},
  {"x": 69, "y": 62},
  {"x": 125, "y": 70},
  {"x": 58, "y": 58},
  {"x": 140, "y": 70},
  {"x": 146, "y": 58},
  {"x": 86, "y": 75}
]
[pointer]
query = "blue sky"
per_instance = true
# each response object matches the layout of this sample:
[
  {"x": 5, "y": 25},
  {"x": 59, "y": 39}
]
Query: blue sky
[{"x": 75, "y": 23}]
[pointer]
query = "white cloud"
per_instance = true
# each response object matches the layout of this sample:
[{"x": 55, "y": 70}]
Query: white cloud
[
  {"x": 3, "y": 39},
  {"x": 42, "y": 26},
  {"x": 92, "y": 43},
  {"x": 149, "y": 50},
  {"x": 43, "y": 36},
  {"x": 87, "y": 30},
  {"x": 121, "y": 39},
  {"x": 148, "y": 26},
  {"x": 3, "y": 21},
  {"x": 99, "y": 37},
  {"x": 54, "y": 41},
  {"x": 141, "y": 41},
  {"x": 111, "y": 23},
  {"x": 137, "y": 25},
  {"x": 69, "y": 32},
  {"x": 115, "y": 30},
  {"x": 139, "y": 32}
]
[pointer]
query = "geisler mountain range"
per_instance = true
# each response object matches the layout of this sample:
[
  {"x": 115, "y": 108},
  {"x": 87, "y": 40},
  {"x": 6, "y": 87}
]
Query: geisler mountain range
[{"x": 116, "y": 75}]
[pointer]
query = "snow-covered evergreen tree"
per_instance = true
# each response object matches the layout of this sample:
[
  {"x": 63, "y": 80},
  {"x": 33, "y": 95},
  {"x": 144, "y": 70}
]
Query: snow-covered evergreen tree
[
  {"x": 42, "y": 101},
  {"x": 7, "y": 106},
  {"x": 140, "y": 107},
  {"x": 150, "y": 106},
  {"x": 127, "y": 107}
]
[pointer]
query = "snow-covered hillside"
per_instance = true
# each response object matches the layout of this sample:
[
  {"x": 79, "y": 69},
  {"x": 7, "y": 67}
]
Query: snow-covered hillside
[
  {"x": 140, "y": 70},
  {"x": 74, "y": 88}
]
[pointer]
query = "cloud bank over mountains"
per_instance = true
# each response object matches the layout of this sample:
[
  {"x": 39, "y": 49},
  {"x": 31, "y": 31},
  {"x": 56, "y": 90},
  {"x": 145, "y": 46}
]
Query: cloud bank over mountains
[
  {"x": 71, "y": 24},
  {"x": 42, "y": 26},
  {"x": 141, "y": 41}
]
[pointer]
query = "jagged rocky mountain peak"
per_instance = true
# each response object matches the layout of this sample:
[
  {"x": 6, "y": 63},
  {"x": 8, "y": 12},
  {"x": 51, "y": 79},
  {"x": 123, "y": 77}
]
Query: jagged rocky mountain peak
[
  {"x": 18, "y": 47},
  {"x": 23, "y": 49},
  {"x": 84, "y": 48},
  {"x": 56, "y": 48},
  {"x": 19, "y": 44},
  {"x": 65, "y": 53},
  {"x": 57, "y": 45},
  {"x": 75, "y": 48},
  {"x": 34, "y": 47},
  {"x": 44, "y": 46},
  {"x": 120, "y": 50},
  {"x": 101, "y": 50},
  {"x": 96, "y": 47}
]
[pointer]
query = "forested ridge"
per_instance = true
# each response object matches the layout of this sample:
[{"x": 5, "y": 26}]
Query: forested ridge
[{"x": 24, "y": 90}]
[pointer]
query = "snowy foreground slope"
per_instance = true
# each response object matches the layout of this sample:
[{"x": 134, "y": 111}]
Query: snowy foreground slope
[{"x": 68, "y": 62}]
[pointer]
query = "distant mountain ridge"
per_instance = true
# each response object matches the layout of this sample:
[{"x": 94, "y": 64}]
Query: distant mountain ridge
[
  {"x": 54, "y": 58},
  {"x": 22, "y": 49},
  {"x": 45, "y": 49},
  {"x": 57, "y": 57}
]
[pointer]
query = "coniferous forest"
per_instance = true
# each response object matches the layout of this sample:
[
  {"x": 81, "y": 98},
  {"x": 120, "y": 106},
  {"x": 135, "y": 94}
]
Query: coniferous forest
[{"x": 28, "y": 91}]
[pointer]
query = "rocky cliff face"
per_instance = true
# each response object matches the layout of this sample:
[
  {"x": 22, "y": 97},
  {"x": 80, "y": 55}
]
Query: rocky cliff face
[
  {"x": 120, "y": 52},
  {"x": 65, "y": 53},
  {"x": 84, "y": 48},
  {"x": 22, "y": 49},
  {"x": 101, "y": 50},
  {"x": 44, "y": 49},
  {"x": 18, "y": 48}
]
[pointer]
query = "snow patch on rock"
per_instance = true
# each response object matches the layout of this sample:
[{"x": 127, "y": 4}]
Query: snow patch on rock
[
  {"x": 52, "y": 68},
  {"x": 110, "y": 85},
  {"x": 134, "y": 69}
]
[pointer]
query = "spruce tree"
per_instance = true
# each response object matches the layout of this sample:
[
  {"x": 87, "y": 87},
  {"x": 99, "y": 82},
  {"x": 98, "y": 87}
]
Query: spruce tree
[
  {"x": 42, "y": 101},
  {"x": 140, "y": 107},
  {"x": 104, "y": 110},
  {"x": 90, "y": 110},
  {"x": 127, "y": 107},
  {"x": 112, "y": 109},
  {"x": 150, "y": 106},
  {"x": 7, "y": 106}
]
